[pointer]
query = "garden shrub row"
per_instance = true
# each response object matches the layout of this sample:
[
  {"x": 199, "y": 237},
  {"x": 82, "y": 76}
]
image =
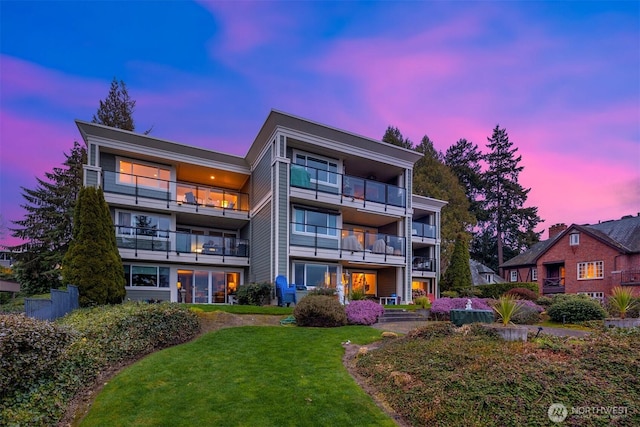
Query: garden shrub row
[
  {"x": 575, "y": 308},
  {"x": 36, "y": 390},
  {"x": 325, "y": 311},
  {"x": 496, "y": 290}
]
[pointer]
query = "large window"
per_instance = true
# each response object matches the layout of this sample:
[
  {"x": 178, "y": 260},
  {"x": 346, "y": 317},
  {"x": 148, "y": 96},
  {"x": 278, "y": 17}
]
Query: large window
[
  {"x": 137, "y": 224},
  {"x": 134, "y": 173},
  {"x": 315, "y": 275},
  {"x": 321, "y": 170},
  {"x": 315, "y": 222},
  {"x": 140, "y": 275},
  {"x": 591, "y": 270}
]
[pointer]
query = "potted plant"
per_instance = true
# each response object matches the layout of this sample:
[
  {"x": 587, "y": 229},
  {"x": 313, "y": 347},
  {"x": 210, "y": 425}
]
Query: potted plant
[
  {"x": 620, "y": 302},
  {"x": 506, "y": 307},
  {"x": 424, "y": 306}
]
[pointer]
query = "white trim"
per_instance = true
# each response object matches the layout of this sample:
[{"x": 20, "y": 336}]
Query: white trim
[{"x": 585, "y": 266}]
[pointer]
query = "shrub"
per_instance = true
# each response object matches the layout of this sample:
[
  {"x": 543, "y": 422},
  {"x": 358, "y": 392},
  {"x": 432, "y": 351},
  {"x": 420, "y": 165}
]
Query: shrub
[
  {"x": 544, "y": 301},
  {"x": 523, "y": 293},
  {"x": 495, "y": 290},
  {"x": 415, "y": 293},
  {"x": 357, "y": 295},
  {"x": 363, "y": 312},
  {"x": 423, "y": 303},
  {"x": 320, "y": 311},
  {"x": 575, "y": 308},
  {"x": 528, "y": 314},
  {"x": 450, "y": 294},
  {"x": 506, "y": 307},
  {"x": 322, "y": 291},
  {"x": 29, "y": 351},
  {"x": 254, "y": 294}
]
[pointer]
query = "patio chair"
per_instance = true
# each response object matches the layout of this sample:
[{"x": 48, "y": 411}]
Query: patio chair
[{"x": 286, "y": 294}]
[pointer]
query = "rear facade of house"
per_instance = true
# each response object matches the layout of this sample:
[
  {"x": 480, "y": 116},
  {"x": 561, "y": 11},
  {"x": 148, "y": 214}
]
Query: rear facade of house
[
  {"x": 582, "y": 259},
  {"x": 318, "y": 205}
]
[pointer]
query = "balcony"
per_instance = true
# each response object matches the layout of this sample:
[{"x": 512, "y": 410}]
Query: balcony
[
  {"x": 419, "y": 229},
  {"x": 347, "y": 186},
  {"x": 630, "y": 277},
  {"x": 375, "y": 247},
  {"x": 141, "y": 187},
  {"x": 553, "y": 285},
  {"x": 420, "y": 263},
  {"x": 175, "y": 242}
]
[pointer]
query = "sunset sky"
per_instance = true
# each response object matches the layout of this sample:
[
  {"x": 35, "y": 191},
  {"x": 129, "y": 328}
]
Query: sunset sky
[{"x": 562, "y": 77}]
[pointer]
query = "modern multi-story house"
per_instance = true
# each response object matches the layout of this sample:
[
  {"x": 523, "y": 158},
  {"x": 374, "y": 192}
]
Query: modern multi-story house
[
  {"x": 582, "y": 259},
  {"x": 313, "y": 203}
]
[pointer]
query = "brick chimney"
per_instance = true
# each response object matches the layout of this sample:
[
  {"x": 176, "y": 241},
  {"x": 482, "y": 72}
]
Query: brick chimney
[{"x": 556, "y": 229}]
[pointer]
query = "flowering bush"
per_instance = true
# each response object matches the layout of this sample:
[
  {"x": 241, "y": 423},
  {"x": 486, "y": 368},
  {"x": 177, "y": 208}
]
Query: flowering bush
[
  {"x": 415, "y": 293},
  {"x": 364, "y": 312}
]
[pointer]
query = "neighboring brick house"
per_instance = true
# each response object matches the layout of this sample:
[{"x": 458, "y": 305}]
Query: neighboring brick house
[{"x": 588, "y": 259}]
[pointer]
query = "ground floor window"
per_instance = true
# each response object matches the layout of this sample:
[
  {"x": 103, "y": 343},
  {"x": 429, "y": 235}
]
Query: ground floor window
[
  {"x": 425, "y": 285},
  {"x": 595, "y": 295},
  {"x": 142, "y": 275},
  {"x": 314, "y": 275},
  {"x": 364, "y": 282},
  {"x": 207, "y": 287}
]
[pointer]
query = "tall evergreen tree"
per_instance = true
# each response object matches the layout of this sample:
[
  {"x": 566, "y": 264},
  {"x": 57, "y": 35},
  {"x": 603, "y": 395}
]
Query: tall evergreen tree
[
  {"x": 432, "y": 178},
  {"x": 393, "y": 136},
  {"x": 464, "y": 158},
  {"x": 47, "y": 225},
  {"x": 508, "y": 222},
  {"x": 458, "y": 274},
  {"x": 117, "y": 108},
  {"x": 93, "y": 262}
]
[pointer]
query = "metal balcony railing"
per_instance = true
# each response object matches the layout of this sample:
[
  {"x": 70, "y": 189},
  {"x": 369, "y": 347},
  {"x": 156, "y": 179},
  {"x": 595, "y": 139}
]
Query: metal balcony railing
[
  {"x": 630, "y": 277},
  {"x": 345, "y": 240},
  {"x": 151, "y": 239},
  {"x": 347, "y": 186},
  {"x": 174, "y": 191}
]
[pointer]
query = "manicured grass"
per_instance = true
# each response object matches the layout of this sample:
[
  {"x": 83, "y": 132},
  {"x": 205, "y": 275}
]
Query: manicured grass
[
  {"x": 245, "y": 376},
  {"x": 550, "y": 324},
  {"x": 243, "y": 309}
]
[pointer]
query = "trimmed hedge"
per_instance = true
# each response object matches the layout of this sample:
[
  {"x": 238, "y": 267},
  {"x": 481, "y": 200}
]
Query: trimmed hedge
[
  {"x": 496, "y": 290},
  {"x": 255, "y": 294},
  {"x": 575, "y": 308},
  {"x": 36, "y": 390},
  {"x": 320, "y": 311}
]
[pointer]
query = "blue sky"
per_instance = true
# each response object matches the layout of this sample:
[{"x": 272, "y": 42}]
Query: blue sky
[{"x": 562, "y": 77}]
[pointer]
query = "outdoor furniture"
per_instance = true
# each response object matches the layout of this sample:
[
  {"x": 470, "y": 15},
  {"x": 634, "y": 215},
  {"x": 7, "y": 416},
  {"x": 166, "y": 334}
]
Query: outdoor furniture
[
  {"x": 286, "y": 294},
  {"x": 190, "y": 198},
  {"x": 350, "y": 243},
  {"x": 463, "y": 317}
]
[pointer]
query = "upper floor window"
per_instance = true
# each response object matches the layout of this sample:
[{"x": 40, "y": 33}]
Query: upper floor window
[
  {"x": 534, "y": 274},
  {"x": 513, "y": 276},
  {"x": 574, "y": 239},
  {"x": 315, "y": 222},
  {"x": 591, "y": 270},
  {"x": 137, "y": 224},
  {"x": 146, "y": 175},
  {"x": 489, "y": 278},
  {"x": 321, "y": 170}
]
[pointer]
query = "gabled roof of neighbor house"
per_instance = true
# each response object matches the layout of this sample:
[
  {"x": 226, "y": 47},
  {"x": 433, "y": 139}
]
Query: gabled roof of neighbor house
[
  {"x": 478, "y": 272},
  {"x": 622, "y": 235}
]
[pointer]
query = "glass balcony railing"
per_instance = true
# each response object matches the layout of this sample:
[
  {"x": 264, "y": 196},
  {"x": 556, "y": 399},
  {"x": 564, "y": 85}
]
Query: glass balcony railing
[
  {"x": 174, "y": 191},
  {"x": 347, "y": 186},
  {"x": 423, "y": 230},
  {"x": 420, "y": 263},
  {"x": 321, "y": 237},
  {"x": 151, "y": 239}
]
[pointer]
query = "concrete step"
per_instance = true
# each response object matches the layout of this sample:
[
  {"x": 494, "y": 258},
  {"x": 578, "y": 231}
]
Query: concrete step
[{"x": 399, "y": 315}]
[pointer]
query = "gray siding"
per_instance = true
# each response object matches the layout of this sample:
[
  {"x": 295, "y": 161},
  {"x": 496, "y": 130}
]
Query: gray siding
[
  {"x": 283, "y": 220},
  {"x": 260, "y": 179},
  {"x": 91, "y": 178},
  {"x": 261, "y": 246}
]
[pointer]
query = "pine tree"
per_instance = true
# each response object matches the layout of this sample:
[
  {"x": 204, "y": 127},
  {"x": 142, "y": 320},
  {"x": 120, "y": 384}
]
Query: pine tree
[
  {"x": 393, "y": 136},
  {"x": 47, "y": 226},
  {"x": 458, "y": 274},
  {"x": 117, "y": 108},
  {"x": 508, "y": 223},
  {"x": 464, "y": 158},
  {"x": 432, "y": 178},
  {"x": 93, "y": 262}
]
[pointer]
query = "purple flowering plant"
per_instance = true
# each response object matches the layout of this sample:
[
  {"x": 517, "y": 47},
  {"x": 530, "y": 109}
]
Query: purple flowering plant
[{"x": 363, "y": 312}]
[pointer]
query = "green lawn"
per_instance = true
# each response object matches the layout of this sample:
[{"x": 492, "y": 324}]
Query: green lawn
[{"x": 245, "y": 376}]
